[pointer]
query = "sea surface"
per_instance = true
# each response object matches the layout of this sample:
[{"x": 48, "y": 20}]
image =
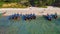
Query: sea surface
[{"x": 37, "y": 26}]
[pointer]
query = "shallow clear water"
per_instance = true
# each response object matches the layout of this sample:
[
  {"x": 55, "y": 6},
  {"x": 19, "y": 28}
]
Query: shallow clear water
[{"x": 38, "y": 26}]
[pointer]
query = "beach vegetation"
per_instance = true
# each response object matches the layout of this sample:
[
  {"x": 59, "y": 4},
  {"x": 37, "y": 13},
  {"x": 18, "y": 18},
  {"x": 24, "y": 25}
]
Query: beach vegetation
[{"x": 28, "y": 3}]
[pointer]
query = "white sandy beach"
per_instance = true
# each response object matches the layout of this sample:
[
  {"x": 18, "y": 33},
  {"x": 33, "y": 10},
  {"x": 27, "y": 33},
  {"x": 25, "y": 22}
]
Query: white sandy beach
[{"x": 35, "y": 10}]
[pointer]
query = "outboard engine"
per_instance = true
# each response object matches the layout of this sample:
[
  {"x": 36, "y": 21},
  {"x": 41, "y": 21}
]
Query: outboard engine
[
  {"x": 49, "y": 17},
  {"x": 55, "y": 16},
  {"x": 33, "y": 16},
  {"x": 23, "y": 17}
]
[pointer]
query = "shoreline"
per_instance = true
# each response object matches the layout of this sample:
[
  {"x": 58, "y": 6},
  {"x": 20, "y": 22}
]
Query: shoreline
[{"x": 31, "y": 10}]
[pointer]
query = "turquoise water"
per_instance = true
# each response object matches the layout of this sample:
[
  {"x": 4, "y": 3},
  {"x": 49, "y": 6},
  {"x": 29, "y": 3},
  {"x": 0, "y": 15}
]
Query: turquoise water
[{"x": 37, "y": 26}]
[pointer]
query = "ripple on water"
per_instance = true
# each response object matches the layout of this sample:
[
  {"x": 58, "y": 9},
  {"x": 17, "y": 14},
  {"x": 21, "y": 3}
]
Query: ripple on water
[{"x": 38, "y": 26}]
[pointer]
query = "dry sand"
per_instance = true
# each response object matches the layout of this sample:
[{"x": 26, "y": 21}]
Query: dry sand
[{"x": 35, "y": 10}]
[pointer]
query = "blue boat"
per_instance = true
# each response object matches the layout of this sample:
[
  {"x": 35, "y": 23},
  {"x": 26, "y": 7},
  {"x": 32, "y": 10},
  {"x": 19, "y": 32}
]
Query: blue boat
[
  {"x": 29, "y": 17},
  {"x": 14, "y": 16}
]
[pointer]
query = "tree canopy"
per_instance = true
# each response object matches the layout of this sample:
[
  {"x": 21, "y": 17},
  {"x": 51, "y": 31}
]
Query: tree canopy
[{"x": 35, "y": 2}]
